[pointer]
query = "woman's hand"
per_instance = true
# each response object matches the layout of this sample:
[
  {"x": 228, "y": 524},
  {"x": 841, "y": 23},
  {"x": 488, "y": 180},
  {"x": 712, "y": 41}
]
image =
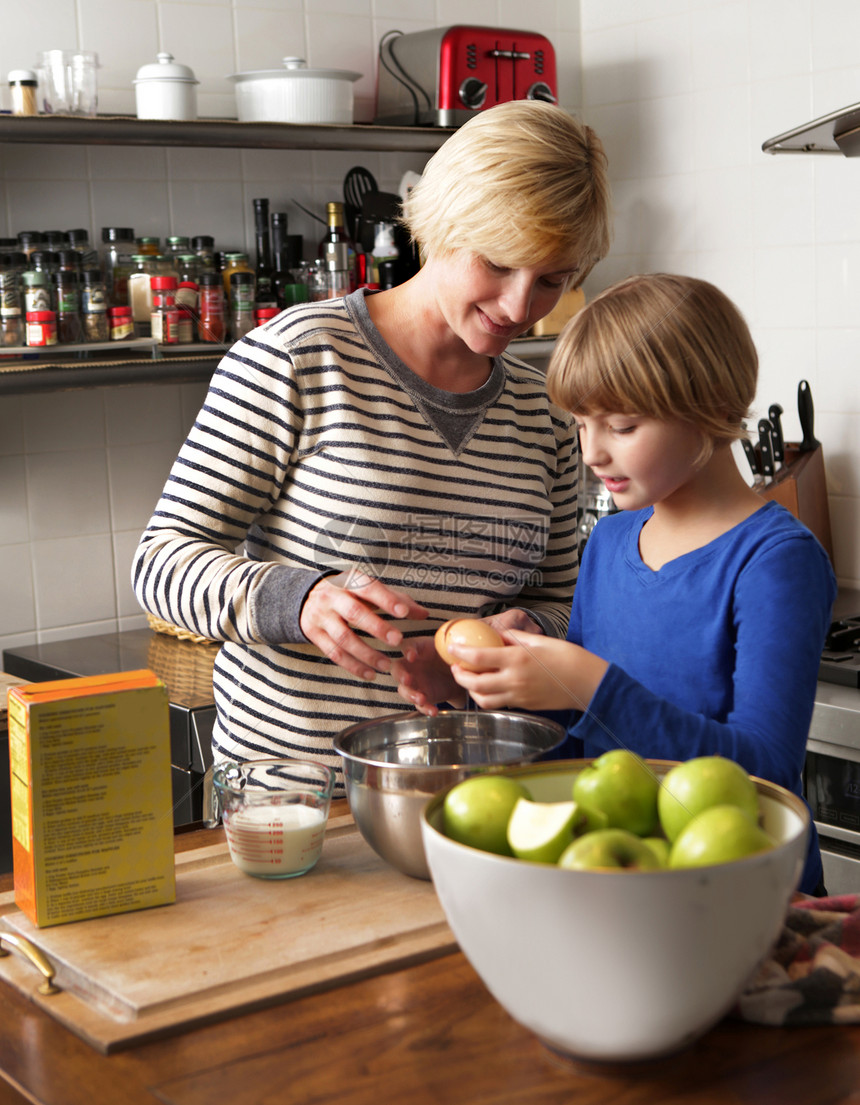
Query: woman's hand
[
  {"x": 532, "y": 672},
  {"x": 338, "y": 605},
  {"x": 424, "y": 679}
]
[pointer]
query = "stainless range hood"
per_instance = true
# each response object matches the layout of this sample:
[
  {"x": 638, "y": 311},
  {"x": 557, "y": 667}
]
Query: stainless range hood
[{"x": 838, "y": 132}]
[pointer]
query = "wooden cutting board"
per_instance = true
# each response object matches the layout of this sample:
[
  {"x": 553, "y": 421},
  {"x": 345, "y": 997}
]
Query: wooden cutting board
[{"x": 230, "y": 943}]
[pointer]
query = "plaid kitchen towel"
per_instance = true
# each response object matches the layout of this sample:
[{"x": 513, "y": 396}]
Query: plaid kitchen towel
[{"x": 812, "y": 976}]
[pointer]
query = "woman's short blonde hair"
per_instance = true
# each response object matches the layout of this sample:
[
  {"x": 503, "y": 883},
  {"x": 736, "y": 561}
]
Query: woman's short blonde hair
[
  {"x": 523, "y": 183},
  {"x": 669, "y": 347}
]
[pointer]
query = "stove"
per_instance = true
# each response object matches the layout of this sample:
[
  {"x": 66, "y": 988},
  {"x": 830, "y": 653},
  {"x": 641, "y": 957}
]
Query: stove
[{"x": 840, "y": 660}]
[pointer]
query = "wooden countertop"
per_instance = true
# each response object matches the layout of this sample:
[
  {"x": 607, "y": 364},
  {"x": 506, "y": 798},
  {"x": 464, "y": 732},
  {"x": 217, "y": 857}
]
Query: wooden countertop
[{"x": 428, "y": 1035}]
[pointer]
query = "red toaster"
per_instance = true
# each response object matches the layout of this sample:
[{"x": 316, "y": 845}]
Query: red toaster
[{"x": 443, "y": 76}]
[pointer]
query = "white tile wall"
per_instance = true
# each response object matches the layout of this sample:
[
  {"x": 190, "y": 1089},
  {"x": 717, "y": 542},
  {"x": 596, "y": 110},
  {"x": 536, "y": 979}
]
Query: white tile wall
[{"x": 683, "y": 93}]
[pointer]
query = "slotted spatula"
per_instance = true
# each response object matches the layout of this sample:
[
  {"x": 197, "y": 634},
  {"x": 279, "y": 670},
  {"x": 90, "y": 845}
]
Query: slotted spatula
[{"x": 356, "y": 184}]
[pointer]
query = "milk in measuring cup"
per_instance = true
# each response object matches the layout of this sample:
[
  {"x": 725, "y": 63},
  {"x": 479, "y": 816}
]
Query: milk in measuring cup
[{"x": 275, "y": 841}]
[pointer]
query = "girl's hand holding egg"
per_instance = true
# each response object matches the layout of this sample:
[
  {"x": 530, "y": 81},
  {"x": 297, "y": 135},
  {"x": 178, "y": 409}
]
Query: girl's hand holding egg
[{"x": 470, "y": 632}]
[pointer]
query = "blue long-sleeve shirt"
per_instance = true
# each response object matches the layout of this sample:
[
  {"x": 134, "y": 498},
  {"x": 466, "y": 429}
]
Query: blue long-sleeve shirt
[{"x": 715, "y": 653}]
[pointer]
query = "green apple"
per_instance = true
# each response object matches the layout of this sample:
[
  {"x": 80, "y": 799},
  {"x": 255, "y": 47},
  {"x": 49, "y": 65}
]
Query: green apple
[
  {"x": 697, "y": 784},
  {"x": 609, "y": 848},
  {"x": 660, "y": 846},
  {"x": 540, "y": 831},
  {"x": 717, "y": 835},
  {"x": 621, "y": 785},
  {"x": 476, "y": 811}
]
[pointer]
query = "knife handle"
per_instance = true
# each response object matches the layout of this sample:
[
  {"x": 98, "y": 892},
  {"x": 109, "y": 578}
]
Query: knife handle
[
  {"x": 765, "y": 443},
  {"x": 774, "y": 413},
  {"x": 807, "y": 416},
  {"x": 751, "y": 457}
]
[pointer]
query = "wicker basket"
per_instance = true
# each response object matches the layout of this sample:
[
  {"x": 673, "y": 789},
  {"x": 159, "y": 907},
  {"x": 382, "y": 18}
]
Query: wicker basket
[{"x": 171, "y": 630}]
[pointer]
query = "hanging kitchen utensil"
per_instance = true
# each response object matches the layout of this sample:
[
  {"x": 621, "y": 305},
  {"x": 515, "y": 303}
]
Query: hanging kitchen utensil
[
  {"x": 356, "y": 184},
  {"x": 807, "y": 417}
]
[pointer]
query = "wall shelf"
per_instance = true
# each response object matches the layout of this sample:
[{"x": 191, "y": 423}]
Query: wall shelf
[
  {"x": 190, "y": 365},
  {"x": 128, "y": 130},
  {"x": 838, "y": 132}
]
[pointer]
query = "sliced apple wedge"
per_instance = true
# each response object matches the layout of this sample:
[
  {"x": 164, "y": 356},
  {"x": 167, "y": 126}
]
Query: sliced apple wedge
[{"x": 540, "y": 831}]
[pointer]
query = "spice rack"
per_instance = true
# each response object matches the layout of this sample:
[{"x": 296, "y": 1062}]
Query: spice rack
[{"x": 86, "y": 367}]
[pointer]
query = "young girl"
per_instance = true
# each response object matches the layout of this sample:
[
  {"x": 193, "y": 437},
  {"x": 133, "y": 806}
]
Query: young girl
[{"x": 700, "y": 610}]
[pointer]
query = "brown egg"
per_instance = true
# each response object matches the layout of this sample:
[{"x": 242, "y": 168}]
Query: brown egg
[{"x": 465, "y": 631}]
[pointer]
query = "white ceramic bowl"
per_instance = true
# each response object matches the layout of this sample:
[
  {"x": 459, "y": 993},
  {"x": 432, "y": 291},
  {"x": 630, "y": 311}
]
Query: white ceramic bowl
[
  {"x": 295, "y": 94},
  {"x": 607, "y": 965}
]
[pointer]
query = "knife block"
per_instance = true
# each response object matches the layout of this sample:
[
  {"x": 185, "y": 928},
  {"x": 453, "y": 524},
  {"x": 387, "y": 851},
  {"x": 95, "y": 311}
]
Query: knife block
[{"x": 800, "y": 487}]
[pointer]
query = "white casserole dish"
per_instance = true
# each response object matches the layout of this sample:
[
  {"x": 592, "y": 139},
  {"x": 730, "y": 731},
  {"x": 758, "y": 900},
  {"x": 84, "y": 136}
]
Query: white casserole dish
[{"x": 295, "y": 94}]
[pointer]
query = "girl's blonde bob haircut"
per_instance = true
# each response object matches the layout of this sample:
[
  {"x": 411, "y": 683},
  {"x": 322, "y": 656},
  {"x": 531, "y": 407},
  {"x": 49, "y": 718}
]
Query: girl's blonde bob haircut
[
  {"x": 668, "y": 347},
  {"x": 522, "y": 183}
]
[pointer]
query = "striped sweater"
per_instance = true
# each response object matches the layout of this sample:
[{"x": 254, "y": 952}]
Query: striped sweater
[{"x": 317, "y": 450}]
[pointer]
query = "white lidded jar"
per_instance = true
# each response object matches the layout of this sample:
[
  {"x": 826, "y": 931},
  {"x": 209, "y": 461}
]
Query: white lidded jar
[{"x": 166, "y": 90}]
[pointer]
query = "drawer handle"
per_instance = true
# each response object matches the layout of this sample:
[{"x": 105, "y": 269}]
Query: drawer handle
[{"x": 39, "y": 960}]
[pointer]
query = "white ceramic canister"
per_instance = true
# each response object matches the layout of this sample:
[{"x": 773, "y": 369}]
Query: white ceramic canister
[
  {"x": 295, "y": 94},
  {"x": 166, "y": 90}
]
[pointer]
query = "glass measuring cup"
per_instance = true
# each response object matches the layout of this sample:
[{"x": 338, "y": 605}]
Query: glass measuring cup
[{"x": 274, "y": 813}]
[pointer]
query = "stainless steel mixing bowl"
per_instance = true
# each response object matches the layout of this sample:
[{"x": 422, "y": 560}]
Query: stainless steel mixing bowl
[{"x": 393, "y": 765}]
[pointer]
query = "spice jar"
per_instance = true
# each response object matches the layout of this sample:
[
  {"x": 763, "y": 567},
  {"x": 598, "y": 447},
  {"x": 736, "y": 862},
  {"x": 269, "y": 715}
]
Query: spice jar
[
  {"x": 188, "y": 265},
  {"x": 22, "y": 91},
  {"x": 210, "y": 323},
  {"x": 241, "y": 304},
  {"x": 149, "y": 246},
  {"x": 177, "y": 243},
  {"x": 186, "y": 296},
  {"x": 264, "y": 314},
  {"x": 69, "y": 326},
  {"x": 165, "y": 313},
  {"x": 204, "y": 246},
  {"x": 121, "y": 323},
  {"x": 11, "y": 320},
  {"x": 29, "y": 241},
  {"x": 234, "y": 262},
  {"x": 119, "y": 250},
  {"x": 38, "y": 293},
  {"x": 140, "y": 292},
  {"x": 80, "y": 240},
  {"x": 41, "y": 328},
  {"x": 185, "y": 326},
  {"x": 94, "y": 306}
]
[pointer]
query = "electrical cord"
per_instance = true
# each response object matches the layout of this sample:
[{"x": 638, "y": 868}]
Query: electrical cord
[{"x": 401, "y": 76}]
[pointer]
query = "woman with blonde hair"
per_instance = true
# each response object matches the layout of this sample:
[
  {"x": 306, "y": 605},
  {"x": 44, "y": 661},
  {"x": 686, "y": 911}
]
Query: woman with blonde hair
[
  {"x": 701, "y": 609},
  {"x": 366, "y": 468}
]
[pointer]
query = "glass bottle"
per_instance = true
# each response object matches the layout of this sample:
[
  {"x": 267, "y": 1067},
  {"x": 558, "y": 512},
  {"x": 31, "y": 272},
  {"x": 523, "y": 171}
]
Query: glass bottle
[
  {"x": 140, "y": 293},
  {"x": 38, "y": 291},
  {"x": 188, "y": 266},
  {"x": 80, "y": 240},
  {"x": 11, "y": 319},
  {"x": 94, "y": 306},
  {"x": 337, "y": 254},
  {"x": 30, "y": 240},
  {"x": 263, "y": 270},
  {"x": 210, "y": 324},
  {"x": 241, "y": 304},
  {"x": 165, "y": 313},
  {"x": 150, "y": 247},
  {"x": 234, "y": 262},
  {"x": 178, "y": 243},
  {"x": 70, "y": 328},
  {"x": 44, "y": 260},
  {"x": 118, "y": 252},
  {"x": 204, "y": 246},
  {"x": 283, "y": 262}
]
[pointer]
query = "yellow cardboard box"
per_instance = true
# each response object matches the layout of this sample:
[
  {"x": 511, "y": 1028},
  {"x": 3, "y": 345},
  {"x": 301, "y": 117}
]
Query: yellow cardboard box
[{"x": 92, "y": 816}]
